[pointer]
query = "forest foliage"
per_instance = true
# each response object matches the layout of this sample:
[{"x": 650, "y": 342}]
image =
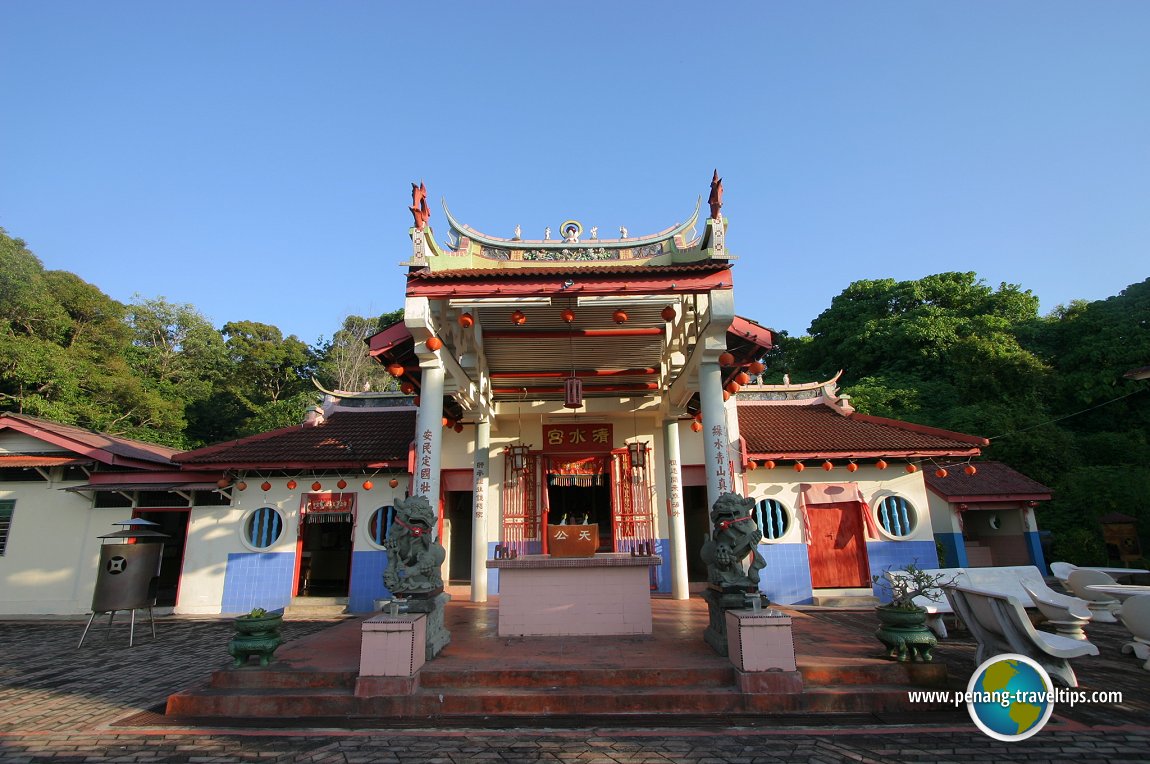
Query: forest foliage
[{"x": 945, "y": 350}]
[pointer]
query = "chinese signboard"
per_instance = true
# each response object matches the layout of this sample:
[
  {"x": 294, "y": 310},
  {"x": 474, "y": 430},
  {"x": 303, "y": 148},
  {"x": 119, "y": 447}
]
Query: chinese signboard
[
  {"x": 577, "y": 438},
  {"x": 327, "y": 502}
]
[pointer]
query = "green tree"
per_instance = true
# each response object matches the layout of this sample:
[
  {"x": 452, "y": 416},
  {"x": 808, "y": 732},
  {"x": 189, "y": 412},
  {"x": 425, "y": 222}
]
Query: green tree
[{"x": 344, "y": 363}]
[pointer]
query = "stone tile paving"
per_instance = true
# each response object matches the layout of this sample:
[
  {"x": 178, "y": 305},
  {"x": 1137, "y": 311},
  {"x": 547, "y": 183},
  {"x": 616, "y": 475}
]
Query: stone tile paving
[{"x": 59, "y": 704}]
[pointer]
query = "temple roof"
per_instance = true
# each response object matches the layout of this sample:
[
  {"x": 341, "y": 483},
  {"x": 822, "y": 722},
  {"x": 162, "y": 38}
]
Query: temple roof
[
  {"x": 993, "y": 481},
  {"x": 818, "y": 431},
  {"x": 97, "y": 446},
  {"x": 345, "y": 440}
]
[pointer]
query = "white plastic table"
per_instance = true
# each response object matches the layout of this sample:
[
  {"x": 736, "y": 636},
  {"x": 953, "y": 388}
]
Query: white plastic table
[
  {"x": 1115, "y": 573},
  {"x": 1121, "y": 591}
]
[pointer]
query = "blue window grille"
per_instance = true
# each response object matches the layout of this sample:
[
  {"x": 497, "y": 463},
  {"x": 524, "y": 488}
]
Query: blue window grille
[
  {"x": 896, "y": 516},
  {"x": 264, "y": 527},
  {"x": 772, "y": 518},
  {"x": 379, "y": 524}
]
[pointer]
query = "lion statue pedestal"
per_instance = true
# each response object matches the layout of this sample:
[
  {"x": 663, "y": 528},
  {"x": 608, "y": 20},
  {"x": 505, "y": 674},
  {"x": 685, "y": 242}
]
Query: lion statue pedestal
[{"x": 734, "y": 538}]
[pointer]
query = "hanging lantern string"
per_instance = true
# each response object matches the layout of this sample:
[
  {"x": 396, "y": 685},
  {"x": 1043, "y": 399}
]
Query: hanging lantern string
[{"x": 1067, "y": 416}]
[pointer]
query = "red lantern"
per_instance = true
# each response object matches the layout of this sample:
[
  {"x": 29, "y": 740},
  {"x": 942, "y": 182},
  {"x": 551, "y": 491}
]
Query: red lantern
[
  {"x": 458, "y": 427},
  {"x": 726, "y": 396},
  {"x": 970, "y": 469},
  {"x": 242, "y": 485},
  {"x": 223, "y": 482},
  {"x": 799, "y": 467},
  {"x": 434, "y": 343},
  {"x": 407, "y": 388},
  {"x": 726, "y": 359},
  {"x": 446, "y": 422},
  {"x": 732, "y": 387},
  {"x": 852, "y": 467},
  {"x": 911, "y": 468},
  {"x": 668, "y": 313},
  {"x": 941, "y": 472},
  {"x": 518, "y": 318},
  {"x": 317, "y": 486},
  {"x": 291, "y": 484},
  {"x": 880, "y": 464},
  {"x": 368, "y": 485},
  {"x": 341, "y": 484},
  {"x": 396, "y": 370},
  {"x": 466, "y": 320},
  {"x": 828, "y": 466},
  {"x": 266, "y": 486},
  {"x": 619, "y": 316},
  {"x": 696, "y": 426},
  {"x": 752, "y": 465},
  {"x": 742, "y": 377},
  {"x": 769, "y": 464},
  {"x": 568, "y": 315},
  {"x": 393, "y": 482},
  {"x": 756, "y": 368}
]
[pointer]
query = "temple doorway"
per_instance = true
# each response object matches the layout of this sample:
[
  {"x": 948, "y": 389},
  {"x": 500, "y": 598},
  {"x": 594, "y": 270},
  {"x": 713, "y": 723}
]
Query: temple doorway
[
  {"x": 697, "y": 525},
  {"x": 457, "y": 529},
  {"x": 174, "y": 523},
  {"x": 837, "y": 552},
  {"x": 325, "y": 554}
]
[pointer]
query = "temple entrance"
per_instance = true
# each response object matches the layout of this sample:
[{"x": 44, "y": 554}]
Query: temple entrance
[
  {"x": 457, "y": 530},
  {"x": 570, "y": 503},
  {"x": 325, "y": 555},
  {"x": 173, "y": 522},
  {"x": 697, "y": 524},
  {"x": 837, "y": 551}
]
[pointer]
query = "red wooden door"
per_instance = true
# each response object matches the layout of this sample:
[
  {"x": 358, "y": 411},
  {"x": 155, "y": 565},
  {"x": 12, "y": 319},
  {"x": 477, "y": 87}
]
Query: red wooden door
[{"x": 837, "y": 551}]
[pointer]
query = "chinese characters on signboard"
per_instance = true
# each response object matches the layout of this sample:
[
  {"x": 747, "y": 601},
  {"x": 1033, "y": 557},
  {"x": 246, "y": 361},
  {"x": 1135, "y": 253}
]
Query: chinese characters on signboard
[{"x": 577, "y": 438}]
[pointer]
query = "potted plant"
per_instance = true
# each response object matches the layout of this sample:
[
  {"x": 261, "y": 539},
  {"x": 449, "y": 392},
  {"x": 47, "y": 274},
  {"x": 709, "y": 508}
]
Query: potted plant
[
  {"x": 257, "y": 633},
  {"x": 903, "y": 627}
]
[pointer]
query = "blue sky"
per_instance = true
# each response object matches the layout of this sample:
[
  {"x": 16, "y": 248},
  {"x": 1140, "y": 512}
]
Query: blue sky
[{"x": 255, "y": 159}]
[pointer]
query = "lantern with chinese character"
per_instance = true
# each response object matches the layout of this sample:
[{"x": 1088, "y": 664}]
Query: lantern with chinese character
[{"x": 638, "y": 454}]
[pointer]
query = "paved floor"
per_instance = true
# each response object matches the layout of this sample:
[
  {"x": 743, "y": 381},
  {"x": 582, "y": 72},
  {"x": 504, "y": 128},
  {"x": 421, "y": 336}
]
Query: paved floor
[{"x": 60, "y": 704}]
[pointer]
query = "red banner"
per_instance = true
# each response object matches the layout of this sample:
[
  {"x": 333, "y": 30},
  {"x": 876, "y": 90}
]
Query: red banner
[
  {"x": 327, "y": 502},
  {"x": 577, "y": 438}
]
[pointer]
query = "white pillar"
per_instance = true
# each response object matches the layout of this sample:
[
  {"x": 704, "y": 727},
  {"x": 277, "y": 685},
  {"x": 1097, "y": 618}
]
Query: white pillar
[
  {"x": 479, "y": 511},
  {"x": 429, "y": 436},
  {"x": 680, "y": 589},
  {"x": 715, "y": 435}
]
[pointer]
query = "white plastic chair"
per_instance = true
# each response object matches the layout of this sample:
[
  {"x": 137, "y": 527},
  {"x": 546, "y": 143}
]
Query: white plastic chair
[
  {"x": 1136, "y": 617},
  {"x": 1068, "y": 615},
  {"x": 1062, "y": 570}
]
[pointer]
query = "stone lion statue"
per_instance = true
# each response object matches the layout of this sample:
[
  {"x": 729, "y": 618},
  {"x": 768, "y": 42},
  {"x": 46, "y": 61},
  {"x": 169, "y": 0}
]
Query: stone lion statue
[
  {"x": 734, "y": 536},
  {"x": 413, "y": 555}
]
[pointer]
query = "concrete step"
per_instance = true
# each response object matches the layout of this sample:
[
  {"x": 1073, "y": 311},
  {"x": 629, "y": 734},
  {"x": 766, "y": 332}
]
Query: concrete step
[
  {"x": 846, "y": 601},
  {"x": 316, "y": 607},
  {"x": 582, "y": 678}
]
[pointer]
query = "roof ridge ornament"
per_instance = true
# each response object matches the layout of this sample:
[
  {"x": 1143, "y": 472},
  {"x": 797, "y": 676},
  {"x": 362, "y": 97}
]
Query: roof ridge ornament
[
  {"x": 419, "y": 209},
  {"x": 715, "y": 200}
]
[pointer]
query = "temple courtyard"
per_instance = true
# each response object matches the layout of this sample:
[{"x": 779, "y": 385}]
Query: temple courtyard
[{"x": 106, "y": 701}]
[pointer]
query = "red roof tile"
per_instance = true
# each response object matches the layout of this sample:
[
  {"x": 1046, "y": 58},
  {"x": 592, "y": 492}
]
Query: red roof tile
[
  {"x": 109, "y": 449},
  {"x": 529, "y": 270},
  {"x": 817, "y": 431},
  {"x": 346, "y": 439},
  {"x": 992, "y": 480}
]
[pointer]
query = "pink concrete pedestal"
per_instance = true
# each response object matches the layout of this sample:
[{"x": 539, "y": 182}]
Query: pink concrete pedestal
[
  {"x": 540, "y": 595},
  {"x": 762, "y": 647},
  {"x": 391, "y": 653}
]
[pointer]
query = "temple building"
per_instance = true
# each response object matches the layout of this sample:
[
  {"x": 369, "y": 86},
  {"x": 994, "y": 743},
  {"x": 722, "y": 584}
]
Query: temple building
[{"x": 571, "y": 380}]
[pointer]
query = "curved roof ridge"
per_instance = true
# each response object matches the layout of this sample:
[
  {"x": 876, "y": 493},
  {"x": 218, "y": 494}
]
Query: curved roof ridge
[{"x": 628, "y": 243}]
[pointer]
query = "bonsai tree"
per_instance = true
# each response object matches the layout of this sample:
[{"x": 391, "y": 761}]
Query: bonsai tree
[{"x": 910, "y": 582}]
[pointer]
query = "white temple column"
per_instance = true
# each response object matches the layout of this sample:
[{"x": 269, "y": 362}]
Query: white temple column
[
  {"x": 429, "y": 436},
  {"x": 715, "y": 436},
  {"x": 479, "y": 511},
  {"x": 680, "y": 589}
]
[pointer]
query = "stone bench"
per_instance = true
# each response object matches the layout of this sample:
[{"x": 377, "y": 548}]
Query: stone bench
[
  {"x": 1022, "y": 582},
  {"x": 1000, "y": 625}
]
